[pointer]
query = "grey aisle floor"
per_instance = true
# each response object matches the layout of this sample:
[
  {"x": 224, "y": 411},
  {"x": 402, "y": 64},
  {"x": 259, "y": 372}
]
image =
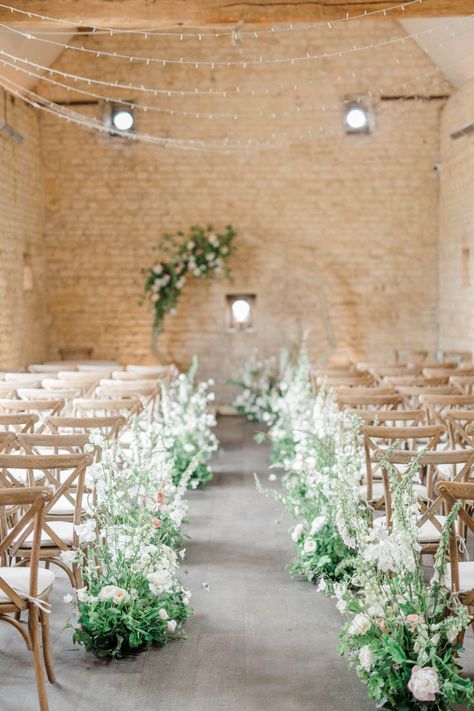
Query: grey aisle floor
[{"x": 258, "y": 640}]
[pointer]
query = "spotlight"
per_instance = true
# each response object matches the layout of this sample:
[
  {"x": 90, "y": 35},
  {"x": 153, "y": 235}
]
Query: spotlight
[
  {"x": 357, "y": 118},
  {"x": 122, "y": 119}
]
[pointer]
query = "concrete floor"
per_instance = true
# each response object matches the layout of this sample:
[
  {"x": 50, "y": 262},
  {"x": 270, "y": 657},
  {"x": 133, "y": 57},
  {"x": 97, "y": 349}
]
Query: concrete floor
[{"x": 258, "y": 640}]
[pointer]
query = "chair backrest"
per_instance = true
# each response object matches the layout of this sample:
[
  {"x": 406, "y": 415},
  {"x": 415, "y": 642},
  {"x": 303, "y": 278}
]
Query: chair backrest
[
  {"x": 451, "y": 492},
  {"x": 464, "y": 384},
  {"x": 18, "y": 423},
  {"x": 381, "y": 372},
  {"x": 412, "y": 394},
  {"x": 46, "y": 394},
  {"x": 125, "y": 376},
  {"x": 43, "y": 444},
  {"x": 396, "y": 418},
  {"x": 9, "y": 388},
  {"x": 7, "y": 440},
  {"x": 444, "y": 370},
  {"x": 109, "y": 427},
  {"x": 458, "y": 422},
  {"x": 40, "y": 407},
  {"x": 159, "y": 371},
  {"x": 459, "y": 461},
  {"x": 30, "y": 504},
  {"x": 334, "y": 381},
  {"x": 415, "y": 380},
  {"x": 437, "y": 406},
  {"x": 369, "y": 401},
  {"x": 379, "y": 438},
  {"x": 128, "y": 407},
  {"x": 71, "y": 486}
]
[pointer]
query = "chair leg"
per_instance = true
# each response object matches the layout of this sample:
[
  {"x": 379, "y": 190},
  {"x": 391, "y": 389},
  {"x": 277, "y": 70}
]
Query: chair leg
[
  {"x": 47, "y": 652},
  {"x": 38, "y": 662}
]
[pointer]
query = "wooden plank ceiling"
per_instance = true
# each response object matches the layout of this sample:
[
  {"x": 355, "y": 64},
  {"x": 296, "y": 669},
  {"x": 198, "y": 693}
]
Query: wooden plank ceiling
[{"x": 196, "y": 13}]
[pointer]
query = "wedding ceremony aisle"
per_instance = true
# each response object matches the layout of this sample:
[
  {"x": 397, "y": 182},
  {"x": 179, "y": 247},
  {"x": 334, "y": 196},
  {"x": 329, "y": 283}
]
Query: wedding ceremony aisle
[{"x": 258, "y": 640}]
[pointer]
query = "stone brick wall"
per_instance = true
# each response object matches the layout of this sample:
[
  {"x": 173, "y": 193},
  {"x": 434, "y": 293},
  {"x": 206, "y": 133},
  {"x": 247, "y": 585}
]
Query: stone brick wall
[
  {"x": 336, "y": 234},
  {"x": 456, "y": 237},
  {"x": 22, "y": 312}
]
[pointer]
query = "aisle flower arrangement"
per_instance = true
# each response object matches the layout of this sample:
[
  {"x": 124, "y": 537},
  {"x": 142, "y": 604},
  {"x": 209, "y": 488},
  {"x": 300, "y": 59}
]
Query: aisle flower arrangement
[
  {"x": 185, "y": 427},
  {"x": 200, "y": 253},
  {"x": 131, "y": 543},
  {"x": 257, "y": 381},
  {"x": 400, "y": 633}
]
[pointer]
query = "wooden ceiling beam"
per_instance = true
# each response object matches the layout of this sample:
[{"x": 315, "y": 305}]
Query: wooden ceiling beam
[{"x": 220, "y": 13}]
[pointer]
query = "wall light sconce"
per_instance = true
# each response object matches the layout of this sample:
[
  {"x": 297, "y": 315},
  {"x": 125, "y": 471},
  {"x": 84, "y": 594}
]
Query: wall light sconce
[
  {"x": 119, "y": 118},
  {"x": 358, "y": 118},
  {"x": 240, "y": 312}
]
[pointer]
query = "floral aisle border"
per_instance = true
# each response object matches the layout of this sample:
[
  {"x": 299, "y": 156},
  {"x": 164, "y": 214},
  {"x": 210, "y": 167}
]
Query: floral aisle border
[
  {"x": 400, "y": 633},
  {"x": 200, "y": 253},
  {"x": 131, "y": 542}
]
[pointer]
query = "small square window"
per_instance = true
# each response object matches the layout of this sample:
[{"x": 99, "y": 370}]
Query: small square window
[{"x": 240, "y": 312}]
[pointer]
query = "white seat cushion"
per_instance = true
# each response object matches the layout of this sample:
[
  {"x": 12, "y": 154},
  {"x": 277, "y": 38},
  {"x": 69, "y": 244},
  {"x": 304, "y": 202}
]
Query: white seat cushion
[
  {"x": 63, "y": 529},
  {"x": 466, "y": 576},
  {"x": 19, "y": 580},
  {"x": 22, "y": 475},
  {"x": 378, "y": 491},
  {"x": 427, "y": 533}
]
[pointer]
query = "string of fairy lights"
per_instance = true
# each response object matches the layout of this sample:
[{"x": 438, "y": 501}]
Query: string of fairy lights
[
  {"x": 81, "y": 84},
  {"x": 270, "y": 114},
  {"x": 230, "y": 63}
]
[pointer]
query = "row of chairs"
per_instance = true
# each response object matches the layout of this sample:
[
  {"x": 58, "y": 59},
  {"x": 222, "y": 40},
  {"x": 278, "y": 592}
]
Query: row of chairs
[
  {"x": 420, "y": 410},
  {"x": 45, "y": 431}
]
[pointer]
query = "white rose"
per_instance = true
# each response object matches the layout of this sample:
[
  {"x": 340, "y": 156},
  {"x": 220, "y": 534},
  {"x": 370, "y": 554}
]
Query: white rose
[
  {"x": 297, "y": 532},
  {"x": 424, "y": 683},
  {"x": 317, "y": 524},
  {"x": 309, "y": 546},
  {"x": 67, "y": 598},
  {"x": 172, "y": 625},
  {"x": 160, "y": 579},
  {"x": 107, "y": 592},
  {"x": 359, "y": 625},
  {"x": 190, "y": 245},
  {"x": 163, "y": 614},
  {"x": 120, "y": 595},
  {"x": 158, "y": 268},
  {"x": 366, "y": 657}
]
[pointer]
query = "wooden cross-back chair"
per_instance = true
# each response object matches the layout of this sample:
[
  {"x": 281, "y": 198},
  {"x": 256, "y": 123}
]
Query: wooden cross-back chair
[
  {"x": 9, "y": 388},
  {"x": 413, "y": 394},
  {"x": 415, "y": 381},
  {"x": 460, "y": 357},
  {"x": 438, "y": 405},
  {"x": 430, "y": 521},
  {"x": 441, "y": 371},
  {"x": 395, "y": 418},
  {"x": 41, "y": 408},
  {"x": 91, "y": 407},
  {"x": 379, "y": 438},
  {"x": 464, "y": 384},
  {"x": 146, "y": 391},
  {"x": 460, "y": 577},
  {"x": 110, "y": 427},
  {"x": 85, "y": 382},
  {"x": 18, "y": 423},
  {"x": 49, "y": 368},
  {"x": 458, "y": 422},
  {"x": 368, "y": 400},
  {"x": 65, "y": 473},
  {"x": 26, "y": 589},
  {"x": 380, "y": 373}
]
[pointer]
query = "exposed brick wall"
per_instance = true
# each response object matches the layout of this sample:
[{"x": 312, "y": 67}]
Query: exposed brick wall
[
  {"x": 22, "y": 313},
  {"x": 357, "y": 214},
  {"x": 456, "y": 241}
]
